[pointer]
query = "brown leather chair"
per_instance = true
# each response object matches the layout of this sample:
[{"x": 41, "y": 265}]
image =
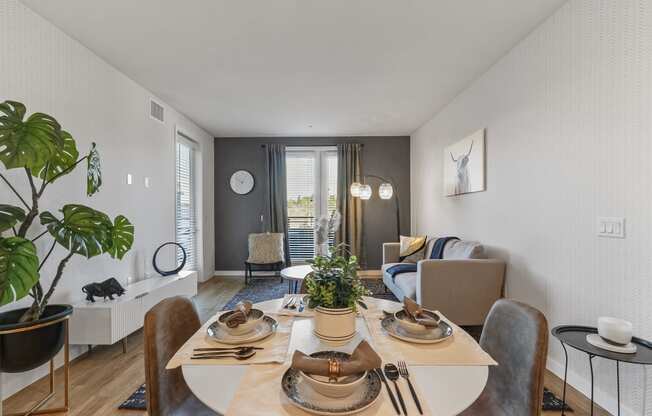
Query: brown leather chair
[
  {"x": 516, "y": 336},
  {"x": 168, "y": 325}
]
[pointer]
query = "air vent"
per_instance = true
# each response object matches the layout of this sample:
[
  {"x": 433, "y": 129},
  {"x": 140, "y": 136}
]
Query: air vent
[{"x": 156, "y": 111}]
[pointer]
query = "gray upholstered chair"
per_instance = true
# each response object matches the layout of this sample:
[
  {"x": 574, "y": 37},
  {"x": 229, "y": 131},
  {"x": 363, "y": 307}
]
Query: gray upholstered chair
[
  {"x": 168, "y": 325},
  {"x": 516, "y": 336}
]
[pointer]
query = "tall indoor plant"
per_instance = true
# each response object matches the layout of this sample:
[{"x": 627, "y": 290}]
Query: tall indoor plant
[
  {"x": 45, "y": 152},
  {"x": 335, "y": 291}
]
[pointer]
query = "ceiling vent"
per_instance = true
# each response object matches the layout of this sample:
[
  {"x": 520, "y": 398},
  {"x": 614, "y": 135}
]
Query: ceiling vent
[{"x": 156, "y": 111}]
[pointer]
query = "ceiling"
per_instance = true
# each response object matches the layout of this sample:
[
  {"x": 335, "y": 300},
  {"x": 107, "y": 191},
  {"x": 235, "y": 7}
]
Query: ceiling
[{"x": 301, "y": 67}]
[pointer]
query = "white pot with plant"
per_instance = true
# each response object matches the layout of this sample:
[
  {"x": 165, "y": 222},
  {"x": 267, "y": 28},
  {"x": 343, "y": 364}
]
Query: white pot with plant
[{"x": 335, "y": 291}]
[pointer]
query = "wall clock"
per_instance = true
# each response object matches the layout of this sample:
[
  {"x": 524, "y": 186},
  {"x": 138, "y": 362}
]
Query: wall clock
[{"x": 242, "y": 182}]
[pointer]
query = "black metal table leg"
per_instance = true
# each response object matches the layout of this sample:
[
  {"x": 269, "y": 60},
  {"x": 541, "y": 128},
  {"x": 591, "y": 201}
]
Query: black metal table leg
[
  {"x": 563, "y": 396},
  {"x": 591, "y": 366},
  {"x": 618, "y": 384}
]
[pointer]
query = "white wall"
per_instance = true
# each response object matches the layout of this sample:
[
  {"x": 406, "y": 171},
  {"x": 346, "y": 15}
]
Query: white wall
[
  {"x": 568, "y": 117},
  {"x": 52, "y": 73}
]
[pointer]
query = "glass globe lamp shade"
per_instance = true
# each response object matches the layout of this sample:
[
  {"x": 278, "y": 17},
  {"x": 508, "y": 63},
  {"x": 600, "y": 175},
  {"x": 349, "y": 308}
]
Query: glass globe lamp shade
[
  {"x": 365, "y": 192},
  {"x": 355, "y": 189},
  {"x": 385, "y": 190}
]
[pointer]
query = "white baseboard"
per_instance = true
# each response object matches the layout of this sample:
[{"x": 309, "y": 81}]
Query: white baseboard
[
  {"x": 242, "y": 273},
  {"x": 605, "y": 400}
]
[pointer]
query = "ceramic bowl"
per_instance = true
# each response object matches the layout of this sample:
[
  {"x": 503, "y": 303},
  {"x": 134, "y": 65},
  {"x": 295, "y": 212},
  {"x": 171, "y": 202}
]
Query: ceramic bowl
[
  {"x": 407, "y": 323},
  {"x": 343, "y": 387},
  {"x": 254, "y": 318},
  {"x": 615, "y": 330}
]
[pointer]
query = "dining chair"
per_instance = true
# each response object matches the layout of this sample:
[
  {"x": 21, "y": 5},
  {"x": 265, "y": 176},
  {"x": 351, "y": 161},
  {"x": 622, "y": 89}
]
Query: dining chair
[
  {"x": 516, "y": 336},
  {"x": 168, "y": 325}
]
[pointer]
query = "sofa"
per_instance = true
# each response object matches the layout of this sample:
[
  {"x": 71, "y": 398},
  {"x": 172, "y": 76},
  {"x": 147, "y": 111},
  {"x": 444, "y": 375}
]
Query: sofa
[{"x": 463, "y": 285}]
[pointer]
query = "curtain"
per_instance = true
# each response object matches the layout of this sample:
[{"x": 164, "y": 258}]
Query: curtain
[
  {"x": 277, "y": 194},
  {"x": 349, "y": 171}
]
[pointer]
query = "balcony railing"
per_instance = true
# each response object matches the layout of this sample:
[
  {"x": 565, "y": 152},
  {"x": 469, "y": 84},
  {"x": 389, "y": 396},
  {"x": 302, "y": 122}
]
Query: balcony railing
[{"x": 301, "y": 235}]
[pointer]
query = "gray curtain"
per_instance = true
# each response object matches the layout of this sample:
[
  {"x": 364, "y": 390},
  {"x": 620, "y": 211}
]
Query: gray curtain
[
  {"x": 277, "y": 194},
  {"x": 349, "y": 171}
]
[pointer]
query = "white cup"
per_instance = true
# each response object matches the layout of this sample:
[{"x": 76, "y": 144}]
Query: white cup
[{"x": 615, "y": 330}]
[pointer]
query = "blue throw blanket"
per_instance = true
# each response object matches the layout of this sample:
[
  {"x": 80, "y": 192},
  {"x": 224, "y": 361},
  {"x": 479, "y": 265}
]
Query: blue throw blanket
[{"x": 436, "y": 254}]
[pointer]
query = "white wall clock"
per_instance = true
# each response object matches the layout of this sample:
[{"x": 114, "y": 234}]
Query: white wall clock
[{"x": 242, "y": 182}]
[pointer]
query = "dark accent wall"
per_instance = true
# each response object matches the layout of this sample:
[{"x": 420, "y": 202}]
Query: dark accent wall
[{"x": 238, "y": 215}]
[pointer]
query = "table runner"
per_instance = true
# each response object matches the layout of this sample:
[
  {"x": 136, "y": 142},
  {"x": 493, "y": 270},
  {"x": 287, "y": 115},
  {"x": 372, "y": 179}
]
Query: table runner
[
  {"x": 459, "y": 349},
  {"x": 260, "y": 394},
  {"x": 275, "y": 346}
]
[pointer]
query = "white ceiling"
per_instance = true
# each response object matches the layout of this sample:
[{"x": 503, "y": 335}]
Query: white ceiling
[{"x": 277, "y": 67}]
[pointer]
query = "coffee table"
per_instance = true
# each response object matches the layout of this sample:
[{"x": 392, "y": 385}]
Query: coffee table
[{"x": 295, "y": 276}]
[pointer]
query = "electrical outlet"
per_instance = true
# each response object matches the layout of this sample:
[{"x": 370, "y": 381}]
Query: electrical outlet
[
  {"x": 146, "y": 182},
  {"x": 611, "y": 227},
  {"x": 129, "y": 179}
]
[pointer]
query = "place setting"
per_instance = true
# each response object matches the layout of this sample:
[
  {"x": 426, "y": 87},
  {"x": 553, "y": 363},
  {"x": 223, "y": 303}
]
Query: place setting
[{"x": 244, "y": 335}]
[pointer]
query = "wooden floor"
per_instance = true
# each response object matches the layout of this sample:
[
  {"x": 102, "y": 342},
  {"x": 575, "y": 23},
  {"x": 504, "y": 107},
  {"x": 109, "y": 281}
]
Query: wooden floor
[{"x": 103, "y": 379}]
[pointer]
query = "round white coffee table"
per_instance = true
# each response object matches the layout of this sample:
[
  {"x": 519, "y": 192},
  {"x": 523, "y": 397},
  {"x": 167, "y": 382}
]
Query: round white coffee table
[
  {"x": 295, "y": 276},
  {"x": 448, "y": 389}
]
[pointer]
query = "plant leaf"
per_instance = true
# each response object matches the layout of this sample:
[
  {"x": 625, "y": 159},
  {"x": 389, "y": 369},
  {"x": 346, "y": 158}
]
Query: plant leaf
[
  {"x": 83, "y": 230},
  {"x": 94, "y": 175},
  {"x": 18, "y": 268},
  {"x": 122, "y": 237},
  {"x": 61, "y": 161},
  {"x": 9, "y": 216},
  {"x": 27, "y": 143}
]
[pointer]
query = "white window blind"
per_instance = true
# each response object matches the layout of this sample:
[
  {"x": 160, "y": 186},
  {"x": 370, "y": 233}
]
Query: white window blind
[{"x": 185, "y": 208}]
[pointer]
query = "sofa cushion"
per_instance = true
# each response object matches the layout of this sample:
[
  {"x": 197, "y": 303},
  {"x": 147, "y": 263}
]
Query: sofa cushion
[
  {"x": 407, "y": 282},
  {"x": 460, "y": 250}
]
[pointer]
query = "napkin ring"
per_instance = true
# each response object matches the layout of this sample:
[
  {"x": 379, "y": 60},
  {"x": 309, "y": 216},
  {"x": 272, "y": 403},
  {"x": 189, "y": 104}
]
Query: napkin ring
[{"x": 334, "y": 369}]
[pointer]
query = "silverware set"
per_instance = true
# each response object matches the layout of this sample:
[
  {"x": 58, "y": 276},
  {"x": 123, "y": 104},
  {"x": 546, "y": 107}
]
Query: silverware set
[
  {"x": 393, "y": 373},
  {"x": 239, "y": 353},
  {"x": 295, "y": 302}
]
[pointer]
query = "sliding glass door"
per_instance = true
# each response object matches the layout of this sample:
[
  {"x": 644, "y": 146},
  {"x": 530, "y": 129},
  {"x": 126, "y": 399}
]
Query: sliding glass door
[{"x": 311, "y": 193}]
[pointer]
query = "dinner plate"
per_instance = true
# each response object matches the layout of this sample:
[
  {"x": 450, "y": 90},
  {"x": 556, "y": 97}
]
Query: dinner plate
[
  {"x": 302, "y": 395},
  {"x": 265, "y": 328},
  {"x": 431, "y": 336}
]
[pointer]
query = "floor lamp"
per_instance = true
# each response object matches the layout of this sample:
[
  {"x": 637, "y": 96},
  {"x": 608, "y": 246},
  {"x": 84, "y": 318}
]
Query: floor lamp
[{"x": 386, "y": 190}]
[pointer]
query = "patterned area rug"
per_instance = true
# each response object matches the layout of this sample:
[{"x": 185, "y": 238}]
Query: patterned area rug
[{"x": 263, "y": 289}]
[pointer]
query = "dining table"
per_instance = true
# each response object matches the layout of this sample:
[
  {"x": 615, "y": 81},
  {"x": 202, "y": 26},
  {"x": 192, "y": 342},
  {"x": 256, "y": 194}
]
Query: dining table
[{"x": 446, "y": 389}]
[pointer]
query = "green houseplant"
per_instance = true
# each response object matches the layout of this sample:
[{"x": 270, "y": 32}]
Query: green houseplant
[
  {"x": 335, "y": 291},
  {"x": 38, "y": 146}
]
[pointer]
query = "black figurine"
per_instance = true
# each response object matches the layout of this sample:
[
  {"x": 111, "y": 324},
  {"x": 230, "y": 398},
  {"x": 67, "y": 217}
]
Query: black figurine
[{"x": 106, "y": 289}]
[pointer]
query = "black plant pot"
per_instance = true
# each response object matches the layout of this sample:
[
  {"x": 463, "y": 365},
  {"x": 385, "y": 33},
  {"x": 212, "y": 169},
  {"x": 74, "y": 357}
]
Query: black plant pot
[{"x": 34, "y": 343}]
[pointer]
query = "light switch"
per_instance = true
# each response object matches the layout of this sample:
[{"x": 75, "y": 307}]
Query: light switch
[
  {"x": 146, "y": 182},
  {"x": 613, "y": 227},
  {"x": 129, "y": 179}
]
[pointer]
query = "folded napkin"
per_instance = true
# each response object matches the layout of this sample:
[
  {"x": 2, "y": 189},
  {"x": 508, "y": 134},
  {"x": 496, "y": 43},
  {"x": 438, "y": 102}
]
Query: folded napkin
[
  {"x": 239, "y": 315},
  {"x": 415, "y": 311},
  {"x": 363, "y": 358}
]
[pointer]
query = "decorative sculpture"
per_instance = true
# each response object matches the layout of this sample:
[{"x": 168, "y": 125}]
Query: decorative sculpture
[
  {"x": 169, "y": 272},
  {"x": 106, "y": 289}
]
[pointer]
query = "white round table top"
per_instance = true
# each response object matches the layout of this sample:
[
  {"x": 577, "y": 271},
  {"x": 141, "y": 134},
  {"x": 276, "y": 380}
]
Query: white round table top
[
  {"x": 447, "y": 389},
  {"x": 296, "y": 272}
]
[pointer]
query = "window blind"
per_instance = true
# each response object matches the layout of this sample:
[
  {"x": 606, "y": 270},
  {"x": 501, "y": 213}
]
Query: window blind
[{"x": 185, "y": 209}]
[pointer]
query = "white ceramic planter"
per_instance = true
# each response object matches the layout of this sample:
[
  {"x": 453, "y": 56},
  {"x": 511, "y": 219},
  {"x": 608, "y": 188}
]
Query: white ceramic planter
[{"x": 334, "y": 324}]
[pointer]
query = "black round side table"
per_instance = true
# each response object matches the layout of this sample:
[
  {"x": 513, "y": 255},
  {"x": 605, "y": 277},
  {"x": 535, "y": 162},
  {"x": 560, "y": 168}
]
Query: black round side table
[{"x": 575, "y": 336}]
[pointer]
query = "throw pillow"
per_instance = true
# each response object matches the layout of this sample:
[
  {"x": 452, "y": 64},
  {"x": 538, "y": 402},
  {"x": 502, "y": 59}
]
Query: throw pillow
[
  {"x": 266, "y": 248},
  {"x": 413, "y": 249}
]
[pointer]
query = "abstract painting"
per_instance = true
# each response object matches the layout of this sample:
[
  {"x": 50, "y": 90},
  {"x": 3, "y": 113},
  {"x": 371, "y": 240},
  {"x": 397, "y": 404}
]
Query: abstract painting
[{"x": 464, "y": 170}]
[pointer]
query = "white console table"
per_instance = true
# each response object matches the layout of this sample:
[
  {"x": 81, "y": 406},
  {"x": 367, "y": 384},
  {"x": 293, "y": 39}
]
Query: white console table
[{"x": 107, "y": 322}]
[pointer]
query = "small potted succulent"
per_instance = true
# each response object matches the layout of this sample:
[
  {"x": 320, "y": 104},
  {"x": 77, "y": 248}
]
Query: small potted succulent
[
  {"x": 39, "y": 148},
  {"x": 335, "y": 291}
]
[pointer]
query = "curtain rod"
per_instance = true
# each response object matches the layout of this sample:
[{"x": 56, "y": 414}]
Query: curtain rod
[{"x": 313, "y": 145}]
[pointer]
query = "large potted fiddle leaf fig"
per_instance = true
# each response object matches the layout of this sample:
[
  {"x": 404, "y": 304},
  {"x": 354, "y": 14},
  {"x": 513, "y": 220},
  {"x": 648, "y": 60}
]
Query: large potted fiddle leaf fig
[{"x": 38, "y": 148}]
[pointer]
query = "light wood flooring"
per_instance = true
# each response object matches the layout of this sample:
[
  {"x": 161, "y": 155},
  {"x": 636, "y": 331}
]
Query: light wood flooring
[{"x": 103, "y": 379}]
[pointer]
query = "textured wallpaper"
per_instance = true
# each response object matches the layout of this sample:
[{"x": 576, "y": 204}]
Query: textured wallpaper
[{"x": 568, "y": 114}]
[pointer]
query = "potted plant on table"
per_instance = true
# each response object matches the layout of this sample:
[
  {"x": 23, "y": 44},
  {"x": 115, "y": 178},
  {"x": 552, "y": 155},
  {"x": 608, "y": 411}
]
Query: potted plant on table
[
  {"x": 335, "y": 292},
  {"x": 38, "y": 146}
]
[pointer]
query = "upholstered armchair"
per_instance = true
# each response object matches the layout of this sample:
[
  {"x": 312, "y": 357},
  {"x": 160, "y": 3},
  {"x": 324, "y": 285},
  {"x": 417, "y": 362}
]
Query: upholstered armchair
[{"x": 463, "y": 285}]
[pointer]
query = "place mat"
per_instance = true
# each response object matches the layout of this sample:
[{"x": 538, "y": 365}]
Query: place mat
[
  {"x": 260, "y": 394},
  {"x": 293, "y": 312},
  {"x": 275, "y": 346},
  {"x": 459, "y": 349}
]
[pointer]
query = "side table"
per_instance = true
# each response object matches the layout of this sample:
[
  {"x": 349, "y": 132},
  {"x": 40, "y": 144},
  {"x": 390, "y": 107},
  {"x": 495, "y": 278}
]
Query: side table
[{"x": 575, "y": 336}]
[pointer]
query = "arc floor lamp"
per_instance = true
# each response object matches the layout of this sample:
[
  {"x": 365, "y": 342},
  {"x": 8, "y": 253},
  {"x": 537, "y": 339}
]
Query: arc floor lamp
[{"x": 386, "y": 190}]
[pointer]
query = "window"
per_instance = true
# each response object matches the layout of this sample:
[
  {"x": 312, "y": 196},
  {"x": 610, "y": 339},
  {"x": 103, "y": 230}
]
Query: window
[
  {"x": 185, "y": 206},
  {"x": 311, "y": 193}
]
